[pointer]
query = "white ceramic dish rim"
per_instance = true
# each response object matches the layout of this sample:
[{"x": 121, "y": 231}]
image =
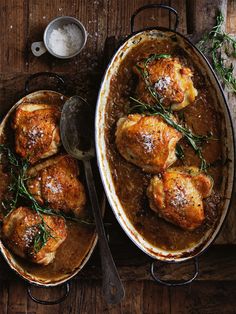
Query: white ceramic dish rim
[
  {"x": 7, "y": 254},
  {"x": 104, "y": 168}
]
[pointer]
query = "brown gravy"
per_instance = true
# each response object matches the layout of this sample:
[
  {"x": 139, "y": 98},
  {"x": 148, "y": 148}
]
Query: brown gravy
[
  {"x": 71, "y": 254},
  {"x": 131, "y": 182}
]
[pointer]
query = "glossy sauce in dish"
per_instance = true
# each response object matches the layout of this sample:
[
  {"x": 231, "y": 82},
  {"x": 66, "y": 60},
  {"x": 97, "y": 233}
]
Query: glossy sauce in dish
[
  {"x": 80, "y": 239},
  {"x": 131, "y": 182}
]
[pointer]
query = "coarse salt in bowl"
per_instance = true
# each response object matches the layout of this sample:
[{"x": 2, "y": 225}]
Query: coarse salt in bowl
[{"x": 65, "y": 37}]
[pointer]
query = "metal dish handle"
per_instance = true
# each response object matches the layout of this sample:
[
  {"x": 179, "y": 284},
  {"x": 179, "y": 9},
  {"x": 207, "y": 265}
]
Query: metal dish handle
[
  {"x": 154, "y": 5},
  {"x": 53, "y": 302},
  {"x": 60, "y": 80},
  {"x": 174, "y": 283}
]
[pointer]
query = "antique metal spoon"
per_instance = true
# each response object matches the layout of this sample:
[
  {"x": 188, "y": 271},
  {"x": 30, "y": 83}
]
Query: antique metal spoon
[{"x": 76, "y": 128}]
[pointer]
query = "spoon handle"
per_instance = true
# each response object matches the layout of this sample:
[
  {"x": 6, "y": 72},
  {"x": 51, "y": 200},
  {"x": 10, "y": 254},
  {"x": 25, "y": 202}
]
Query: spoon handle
[{"x": 113, "y": 289}]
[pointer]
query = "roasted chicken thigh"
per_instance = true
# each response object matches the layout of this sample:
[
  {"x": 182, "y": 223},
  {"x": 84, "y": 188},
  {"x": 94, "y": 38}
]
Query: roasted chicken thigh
[
  {"x": 55, "y": 183},
  {"x": 147, "y": 141},
  {"x": 177, "y": 196},
  {"x": 20, "y": 231},
  {"x": 172, "y": 81},
  {"x": 36, "y": 131}
]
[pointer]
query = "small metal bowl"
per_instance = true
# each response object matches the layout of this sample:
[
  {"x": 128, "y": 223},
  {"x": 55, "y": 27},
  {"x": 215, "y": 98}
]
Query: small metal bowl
[{"x": 40, "y": 47}]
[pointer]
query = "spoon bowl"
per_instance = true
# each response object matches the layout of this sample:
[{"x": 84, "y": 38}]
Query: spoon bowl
[{"x": 76, "y": 128}]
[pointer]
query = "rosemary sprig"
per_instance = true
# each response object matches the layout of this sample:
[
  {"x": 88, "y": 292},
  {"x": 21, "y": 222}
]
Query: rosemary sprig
[
  {"x": 18, "y": 171},
  {"x": 179, "y": 152},
  {"x": 145, "y": 74},
  {"x": 212, "y": 45},
  {"x": 194, "y": 140},
  {"x": 42, "y": 237}
]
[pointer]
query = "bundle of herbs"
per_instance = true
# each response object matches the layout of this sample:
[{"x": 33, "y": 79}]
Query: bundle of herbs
[
  {"x": 19, "y": 194},
  {"x": 215, "y": 44}
]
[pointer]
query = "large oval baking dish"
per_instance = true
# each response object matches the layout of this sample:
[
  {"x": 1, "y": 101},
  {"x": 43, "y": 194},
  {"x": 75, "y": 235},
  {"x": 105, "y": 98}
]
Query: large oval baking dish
[
  {"x": 76, "y": 255},
  {"x": 103, "y": 163}
]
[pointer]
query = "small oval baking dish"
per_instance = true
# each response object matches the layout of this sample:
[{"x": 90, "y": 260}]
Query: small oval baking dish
[{"x": 81, "y": 238}]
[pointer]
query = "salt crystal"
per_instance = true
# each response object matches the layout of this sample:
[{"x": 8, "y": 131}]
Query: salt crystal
[
  {"x": 162, "y": 83},
  {"x": 66, "y": 41},
  {"x": 147, "y": 141}
]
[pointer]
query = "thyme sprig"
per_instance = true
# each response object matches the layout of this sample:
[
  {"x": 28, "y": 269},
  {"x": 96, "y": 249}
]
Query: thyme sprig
[
  {"x": 213, "y": 44},
  {"x": 18, "y": 171}
]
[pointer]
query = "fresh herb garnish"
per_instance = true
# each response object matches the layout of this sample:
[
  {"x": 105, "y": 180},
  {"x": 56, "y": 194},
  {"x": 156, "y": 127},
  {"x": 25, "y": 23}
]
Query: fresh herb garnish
[
  {"x": 43, "y": 235},
  {"x": 194, "y": 140},
  {"x": 213, "y": 44},
  {"x": 179, "y": 152},
  {"x": 18, "y": 171}
]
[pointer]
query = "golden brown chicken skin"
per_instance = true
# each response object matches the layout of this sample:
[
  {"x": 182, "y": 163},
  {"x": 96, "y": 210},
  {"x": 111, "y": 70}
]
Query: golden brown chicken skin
[
  {"x": 147, "y": 141},
  {"x": 21, "y": 229},
  {"x": 177, "y": 196},
  {"x": 172, "y": 81},
  {"x": 36, "y": 131},
  {"x": 55, "y": 183}
]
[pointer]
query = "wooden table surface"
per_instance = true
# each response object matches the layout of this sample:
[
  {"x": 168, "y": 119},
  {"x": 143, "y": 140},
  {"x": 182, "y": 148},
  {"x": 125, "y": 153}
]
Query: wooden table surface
[{"x": 23, "y": 22}]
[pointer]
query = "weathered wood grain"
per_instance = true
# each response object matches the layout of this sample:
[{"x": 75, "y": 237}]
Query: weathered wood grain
[
  {"x": 156, "y": 299},
  {"x": 17, "y": 301},
  {"x": 201, "y": 15},
  {"x": 13, "y": 35},
  {"x": 231, "y": 17},
  {"x": 120, "y": 15},
  {"x": 4, "y": 297},
  {"x": 141, "y": 297},
  {"x": 204, "y": 298},
  {"x": 180, "y": 6}
]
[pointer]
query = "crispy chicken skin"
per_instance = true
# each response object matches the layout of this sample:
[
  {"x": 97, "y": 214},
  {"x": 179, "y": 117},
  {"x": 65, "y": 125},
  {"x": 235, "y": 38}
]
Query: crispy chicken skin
[
  {"x": 147, "y": 141},
  {"x": 170, "y": 79},
  {"x": 36, "y": 131},
  {"x": 55, "y": 183},
  {"x": 177, "y": 196},
  {"x": 20, "y": 228}
]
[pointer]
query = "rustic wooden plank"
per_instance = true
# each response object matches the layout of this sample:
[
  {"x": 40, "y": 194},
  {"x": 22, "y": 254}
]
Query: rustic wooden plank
[
  {"x": 156, "y": 299},
  {"x": 14, "y": 21},
  {"x": 120, "y": 15},
  {"x": 231, "y": 17},
  {"x": 17, "y": 298},
  {"x": 207, "y": 298},
  {"x": 133, "y": 302},
  {"x": 199, "y": 297},
  {"x": 86, "y": 297},
  {"x": 4, "y": 297},
  {"x": 180, "y": 6},
  {"x": 48, "y": 294},
  {"x": 201, "y": 15}
]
